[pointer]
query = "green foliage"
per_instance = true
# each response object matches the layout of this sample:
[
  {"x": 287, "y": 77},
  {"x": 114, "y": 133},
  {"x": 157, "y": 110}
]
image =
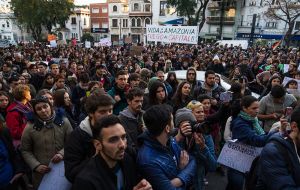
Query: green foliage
[
  {"x": 87, "y": 37},
  {"x": 36, "y": 14}
]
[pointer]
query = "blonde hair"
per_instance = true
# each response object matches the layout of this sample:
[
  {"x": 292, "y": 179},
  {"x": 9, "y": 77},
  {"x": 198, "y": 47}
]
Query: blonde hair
[{"x": 193, "y": 105}]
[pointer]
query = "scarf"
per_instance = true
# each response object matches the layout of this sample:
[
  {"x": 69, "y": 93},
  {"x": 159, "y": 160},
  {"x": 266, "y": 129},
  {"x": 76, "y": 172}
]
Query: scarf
[
  {"x": 254, "y": 121},
  {"x": 39, "y": 123},
  {"x": 24, "y": 109}
]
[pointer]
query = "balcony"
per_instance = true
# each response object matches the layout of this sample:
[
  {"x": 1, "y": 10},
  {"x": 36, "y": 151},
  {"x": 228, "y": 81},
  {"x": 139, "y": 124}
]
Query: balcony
[
  {"x": 215, "y": 20},
  {"x": 217, "y": 5}
]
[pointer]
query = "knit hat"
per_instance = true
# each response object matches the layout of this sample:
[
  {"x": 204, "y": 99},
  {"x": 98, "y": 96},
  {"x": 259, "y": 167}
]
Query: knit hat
[{"x": 184, "y": 114}]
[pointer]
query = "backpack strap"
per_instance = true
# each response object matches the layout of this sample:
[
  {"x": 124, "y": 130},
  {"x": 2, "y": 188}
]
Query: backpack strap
[{"x": 283, "y": 151}]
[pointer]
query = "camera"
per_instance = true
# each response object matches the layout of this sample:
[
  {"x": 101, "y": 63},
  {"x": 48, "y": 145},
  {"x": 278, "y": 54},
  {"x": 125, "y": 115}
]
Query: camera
[{"x": 203, "y": 128}]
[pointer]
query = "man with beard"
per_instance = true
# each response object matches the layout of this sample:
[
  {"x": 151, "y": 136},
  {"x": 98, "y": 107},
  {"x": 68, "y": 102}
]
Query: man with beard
[
  {"x": 111, "y": 167},
  {"x": 210, "y": 88},
  {"x": 279, "y": 161},
  {"x": 117, "y": 92},
  {"x": 131, "y": 117}
]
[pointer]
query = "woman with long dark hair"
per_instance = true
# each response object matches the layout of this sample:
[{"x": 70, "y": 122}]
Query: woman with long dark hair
[
  {"x": 182, "y": 96},
  {"x": 62, "y": 101},
  {"x": 246, "y": 129},
  {"x": 172, "y": 80},
  {"x": 4, "y": 103},
  {"x": 157, "y": 95}
]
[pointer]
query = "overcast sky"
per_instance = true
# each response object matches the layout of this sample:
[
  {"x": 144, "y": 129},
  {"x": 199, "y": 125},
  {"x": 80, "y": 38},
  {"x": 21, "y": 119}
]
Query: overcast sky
[{"x": 87, "y": 2}]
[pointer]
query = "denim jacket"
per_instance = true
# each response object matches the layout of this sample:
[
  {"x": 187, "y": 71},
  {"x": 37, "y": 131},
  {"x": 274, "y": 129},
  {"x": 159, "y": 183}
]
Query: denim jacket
[{"x": 159, "y": 164}]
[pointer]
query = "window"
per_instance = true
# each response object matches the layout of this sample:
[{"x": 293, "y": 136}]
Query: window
[
  {"x": 136, "y": 7},
  {"x": 95, "y": 10},
  {"x": 163, "y": 7},
  {"x": 95, "y": 25},
  {"x": 104, "y": 25},
  {"x": 115, "y": 8},
  {"x": 104, "y": 9},
  {"x": 3, "y": 25},
  {"x": 297, "y": 26},
  {"x": 133, "y": 22},
  {"x": 7, "y": 24},
  {"x": 125, "y": 8},
  {"x": 138, "y": 22},
  {"x": 84, "y": 21},
  {"x": 147, "y": 21},
  {"x": 271, "y": 25},
  {"x": 73, "y": 20},
  {"x": 114, "y": 22},
  {"x": 125, "y": 23},
  {"x": 147, "y": 8}
]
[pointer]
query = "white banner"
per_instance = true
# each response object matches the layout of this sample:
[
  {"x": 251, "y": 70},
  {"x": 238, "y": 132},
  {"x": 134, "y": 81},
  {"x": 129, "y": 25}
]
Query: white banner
[
  {"x": 105, "y": 42},
  {"x": 173, "y": 34},
  {"x": 238, "y": 156}
]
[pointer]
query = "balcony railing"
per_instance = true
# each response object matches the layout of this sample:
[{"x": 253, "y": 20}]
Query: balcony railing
[
  {"x": 216, "y": 5},
  {"x": 216, "y": 20}
]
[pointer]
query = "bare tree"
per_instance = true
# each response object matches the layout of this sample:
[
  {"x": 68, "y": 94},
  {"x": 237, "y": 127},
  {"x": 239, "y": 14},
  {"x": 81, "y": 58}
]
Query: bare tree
[{"x": 284, "y": 10}]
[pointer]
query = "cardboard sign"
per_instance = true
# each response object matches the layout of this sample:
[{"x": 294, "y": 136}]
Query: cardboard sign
[
  {"x": 136, "y": 50},
  {"x": 51, "y": 37},
  {"x": 173, "y": 34},
  {"x": 87, "y": 44},
  {"x": 238, "y": 156},
  {"x": 55, "y": 179},
  {"x": 105, "y": 42},
  {"x": 53, "y": 43}
]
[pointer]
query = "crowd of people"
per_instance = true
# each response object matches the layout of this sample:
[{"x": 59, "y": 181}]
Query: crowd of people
[{"x": 121, "y": 119}]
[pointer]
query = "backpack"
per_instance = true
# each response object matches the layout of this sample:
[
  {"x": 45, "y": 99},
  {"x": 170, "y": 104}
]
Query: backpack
[{"x": 251, "y": 179}]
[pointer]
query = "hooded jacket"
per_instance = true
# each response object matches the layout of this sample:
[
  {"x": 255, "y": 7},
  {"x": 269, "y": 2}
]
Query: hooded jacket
[
  {"x": 159, "y": 164},
  {"x": 132, "y": 124},
  {"x": 274, "y": 173},
  {"x": 78, "y": 149},
  {"x": 215, "y": 91}
]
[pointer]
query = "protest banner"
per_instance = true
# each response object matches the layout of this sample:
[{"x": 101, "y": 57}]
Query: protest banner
[
  {"x": 55, "y": 179},
  {"x": 238, "y": 156},
  {"x": 136, "y": 50},
  {"x": 173, "y": 34},
  {"x": 4, "y": 43},
  {"x": 51, "y": 37},
  {"x": 287, "y": 79},
  {"x": 87, "y": 44},
  {"x": 53, "y": 43},
  {"x": 105, "y": 42}
]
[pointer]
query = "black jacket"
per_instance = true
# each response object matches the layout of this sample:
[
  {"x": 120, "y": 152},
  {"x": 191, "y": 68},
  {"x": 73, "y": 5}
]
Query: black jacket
[
  {"x": 78, "y": 150},
  {"x": 98, "y": 176}
]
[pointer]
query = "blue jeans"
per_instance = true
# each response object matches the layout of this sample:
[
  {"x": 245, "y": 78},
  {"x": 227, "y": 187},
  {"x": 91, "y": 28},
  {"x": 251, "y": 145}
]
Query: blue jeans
[{"x": 235, "y": 179}]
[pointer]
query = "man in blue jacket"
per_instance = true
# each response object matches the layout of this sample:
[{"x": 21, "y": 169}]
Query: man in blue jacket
[
  {"x": 280, "y": 161},
  {"x": 160, "y": 159}
]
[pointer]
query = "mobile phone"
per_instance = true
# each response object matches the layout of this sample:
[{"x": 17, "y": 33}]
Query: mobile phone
[
  {"x": 226, "y": 96},
  {"x": 288, "y": 112}
]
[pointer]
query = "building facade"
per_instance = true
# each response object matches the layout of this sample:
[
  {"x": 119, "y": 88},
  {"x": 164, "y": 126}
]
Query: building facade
[
  {"x": 119, "y": 23},
  {"x": 78, "y": 23},
  {"x": 99, "y": 20},
  {"x": 140, "y": 15}
]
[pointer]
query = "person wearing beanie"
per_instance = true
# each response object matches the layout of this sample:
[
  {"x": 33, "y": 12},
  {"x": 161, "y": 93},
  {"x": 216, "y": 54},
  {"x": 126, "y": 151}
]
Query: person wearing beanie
[
  {"x": 43, "y": 139},
  {"x": 272, "y": 106}
]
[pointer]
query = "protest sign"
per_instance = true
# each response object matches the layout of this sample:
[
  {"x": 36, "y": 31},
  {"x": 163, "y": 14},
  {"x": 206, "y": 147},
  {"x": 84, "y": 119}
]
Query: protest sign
[
  {"x": 87, "y": 44},
  {"x": 51, "y": 37},
  {"x": 105, "y": 42},
  {"x": 4, "y": 43},
  {"x": 136, "y": 50},
  {"x": 285, "y": 68},
  {"x": 53, "y": 43},
  {"x": 173, "y": 34},
  {"x": 287, "y": 79},
  {"x": 55, "y": 179},
  {"x": 238, "y": 156}
]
